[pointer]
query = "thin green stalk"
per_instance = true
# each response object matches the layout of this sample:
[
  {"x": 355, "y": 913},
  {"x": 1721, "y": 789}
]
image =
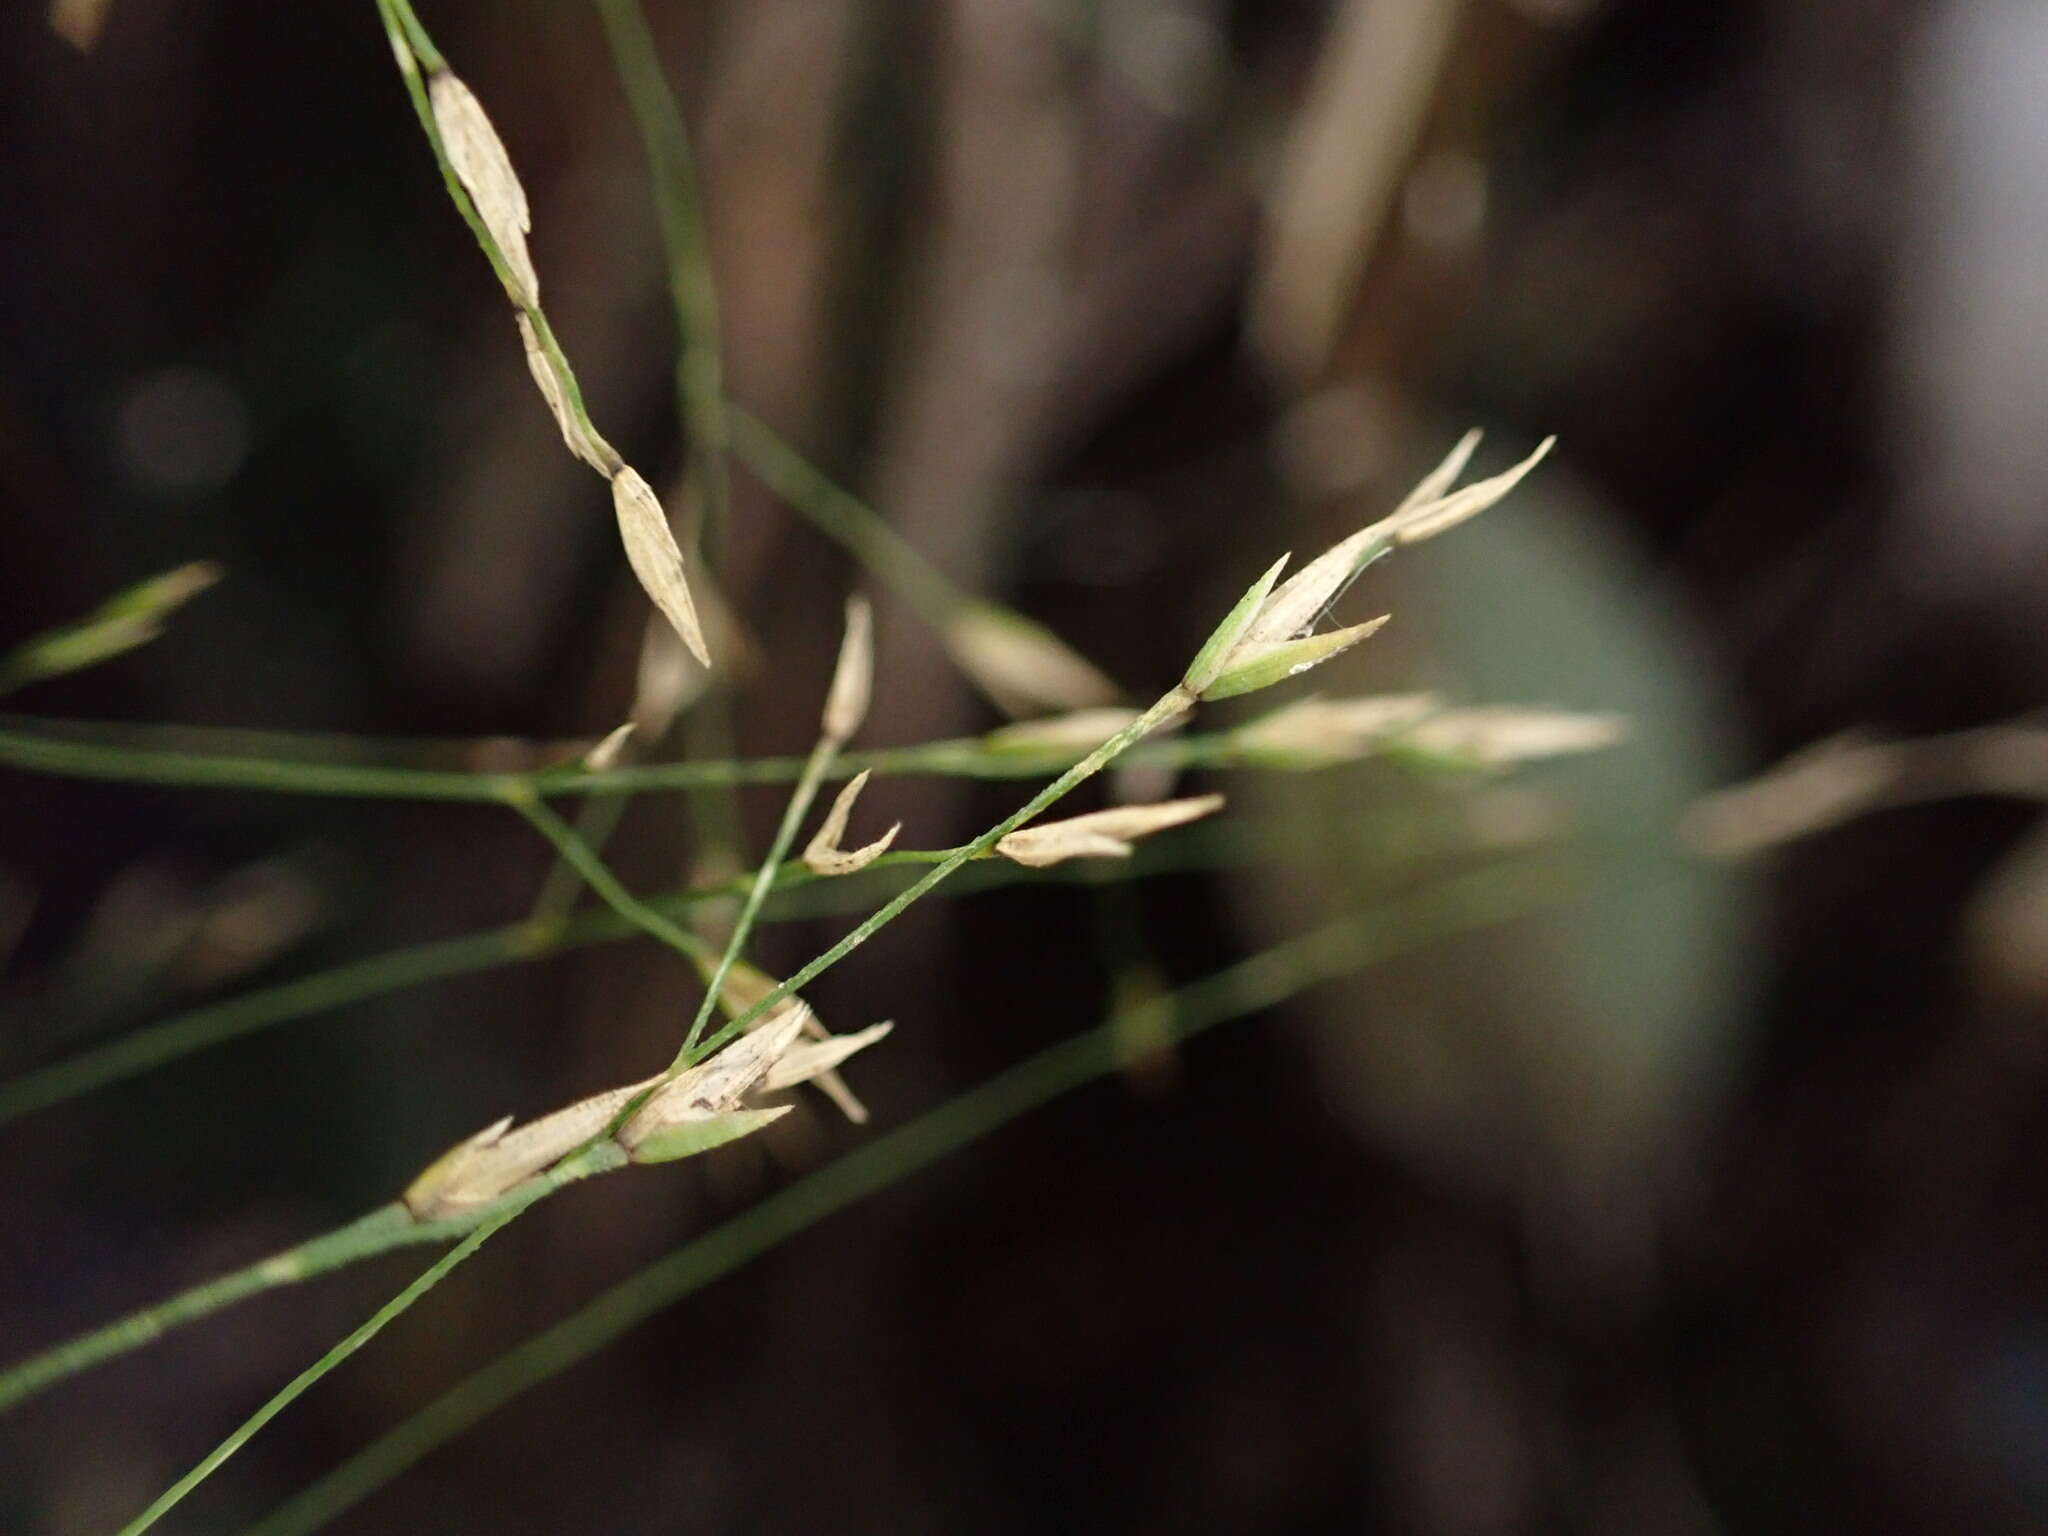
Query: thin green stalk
[
  {"x": 793, "y": 815},
  {"x": 596, "y": 821},
  {"x": 322, "y": 1254},
  {"x": 1249, "y": 987},
  {"x": 597, "y": 874},
  {"x": 133, "y": 760},
  {"x": 382, "y": 1231},
  {"x": 845, "y": 518},
  {"x": 362, "y": 1335}
]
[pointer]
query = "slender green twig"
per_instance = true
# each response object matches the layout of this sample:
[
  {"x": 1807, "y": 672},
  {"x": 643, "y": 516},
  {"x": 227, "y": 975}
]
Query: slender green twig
[
  {"x": 1267, "y": 979},
  {"x": 129, "y": 754},
  {"x": 387, "y": 1228},
  {"x": 793, "y": 815},
  {"x": 362, "y": 1335},
  {"x": 845, "y": 518},
  {"x": 598, "y": 876}
]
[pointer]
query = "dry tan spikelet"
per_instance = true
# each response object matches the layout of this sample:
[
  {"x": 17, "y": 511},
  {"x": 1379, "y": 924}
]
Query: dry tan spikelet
[
  {"x": 1298, "y": 602},
  {"x": 823, "y": 855},
  {"x": 485, "y": 171},
  {"x": 1334, "y": 730},
  {"x": 606, "y": 753},
  {"x": 1500, "y": 734},
  {"x": 1431, "y": 518},
  {"x": 594, "y": 451},
  {"x": 805, "y": 1062},
  {"x": 716, "y": 1086},
  {"x": 1434, "y": 485},
  {"x": 853, "y": 676},
  {"x": 1101, "y": 834},
  {"x": 1023, "y": 668},
  {"x": 746, "y": 985},
  {"x": 667, "y": 680},
  {"x": 498, "y": 1159},
  {"x": 655, "y": 556}
]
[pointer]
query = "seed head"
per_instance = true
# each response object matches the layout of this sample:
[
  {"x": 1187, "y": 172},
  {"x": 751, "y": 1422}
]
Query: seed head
[
  {"x": 1497, "y": 735},
  {"x": 480, "y": 163},
  {"x": 1101, "y": 834},
  {"x": 606, "y": 753},
  {"x": 1024, "y": 668},
  {"x": 576, "y": 432},
  {"x": 824, "y": 856},
  {"x": 853, "y": 677},
  {"x": 1319, "y": 730},
  {"x": 656, "y": 558}
]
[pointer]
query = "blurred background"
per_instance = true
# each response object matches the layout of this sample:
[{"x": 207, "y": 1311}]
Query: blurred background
[{"x": 1708, "y": 1200}]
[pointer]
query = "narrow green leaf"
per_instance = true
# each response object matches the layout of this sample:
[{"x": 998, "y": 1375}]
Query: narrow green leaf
[{"x": 128, "y": 619}]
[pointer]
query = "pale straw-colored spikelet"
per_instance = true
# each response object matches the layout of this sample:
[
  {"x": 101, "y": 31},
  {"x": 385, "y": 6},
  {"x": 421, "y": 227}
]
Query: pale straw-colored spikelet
[
  {"x": 716, "y": 1086},
  {"x": 1269, "y": 635},
  {"x": 655, "y": 556},
  {"x": 485, "y": 171},
  {"x": 1433, "y": 485},
  {"x": 1101, "y": 834},
  {"x": 1431, "y": 518},
  {"x": 811, "y": 1059},
  {"x": 1022, "y": 667},
  {"x": 1323, "y": 730},
  {"x": 853, "y": 677},
  {"x": 823, "y": 855},
  {"x": 746, "y": 985},
  {"x": 1500, "y": 734},
  {"x": 1428, "y": 510},
  {"x": 592, "y": 450},
  {"x": 666, "y": 681},
  {"x": 499, "y": 1159},
  {"x": 606, "y": 753}
]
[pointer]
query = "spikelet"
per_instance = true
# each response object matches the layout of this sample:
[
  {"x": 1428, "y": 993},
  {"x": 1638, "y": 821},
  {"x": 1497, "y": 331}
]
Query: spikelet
[
  {"x": 810, "y": 1060},
  {"x": 824, "y": 856},
  {"x": 1497, "y": 735},
  {"x": 655, "y": 556},
  {"x": 853, "y": 676},
  {"x": 1023, "y": 668},
  {"x": 1101, "y": 834},
  {"x": 716, "y": 1086},
  {"x": 498, "y": 1159},
  {"x": 606, "y": 753},
  {"x": 1319, "y": 731},
  {"x": 485, "y": 171},
  {"x": 576, "y": 432}
]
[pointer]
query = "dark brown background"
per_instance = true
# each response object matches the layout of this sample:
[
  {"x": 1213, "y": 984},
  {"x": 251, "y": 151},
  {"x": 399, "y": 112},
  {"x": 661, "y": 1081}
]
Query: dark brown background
[{"x": 1772, "y": 273}]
